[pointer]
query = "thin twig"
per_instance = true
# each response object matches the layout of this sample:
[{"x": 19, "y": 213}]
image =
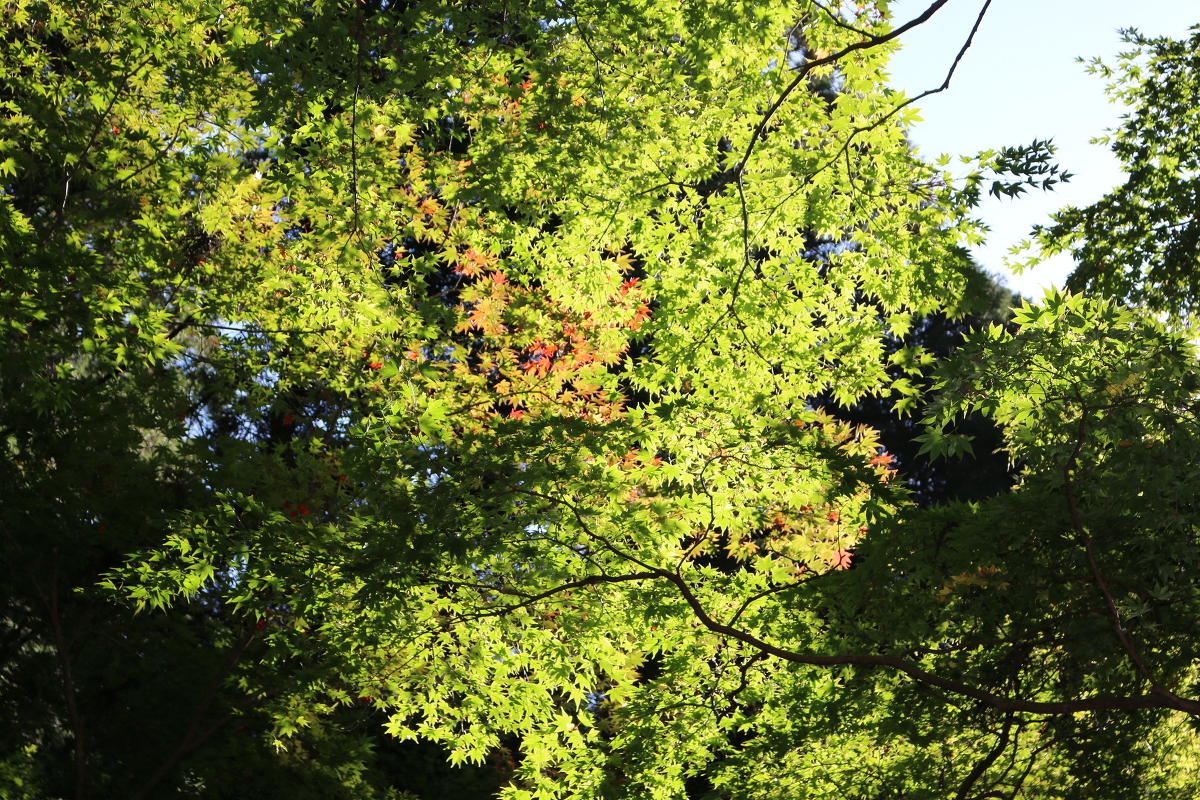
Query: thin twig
[
  {"x": 531, "y": 599},
  {"x": 70, "y": 175}
]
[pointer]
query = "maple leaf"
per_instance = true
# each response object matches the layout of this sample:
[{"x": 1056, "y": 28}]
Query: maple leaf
[
  {"x": 842, "y": 559},
  {"x": 472, "y": 262},
  {"x": 884, "y": 459}
]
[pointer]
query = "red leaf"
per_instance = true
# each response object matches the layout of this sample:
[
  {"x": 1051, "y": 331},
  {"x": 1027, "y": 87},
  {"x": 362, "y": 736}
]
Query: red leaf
[{"x": 884, "y": 459}]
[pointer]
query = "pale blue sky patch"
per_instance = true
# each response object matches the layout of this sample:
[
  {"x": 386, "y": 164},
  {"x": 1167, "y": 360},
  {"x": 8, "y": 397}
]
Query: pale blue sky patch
[{"x": 1019, "y": 82}]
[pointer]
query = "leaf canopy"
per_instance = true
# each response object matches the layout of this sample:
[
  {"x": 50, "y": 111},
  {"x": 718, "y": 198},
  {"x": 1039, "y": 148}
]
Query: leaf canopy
[{"x": 381, "y": 371}]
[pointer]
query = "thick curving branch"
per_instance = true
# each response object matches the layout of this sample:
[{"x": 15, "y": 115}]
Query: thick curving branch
[{"x": 1156, "y": 699}]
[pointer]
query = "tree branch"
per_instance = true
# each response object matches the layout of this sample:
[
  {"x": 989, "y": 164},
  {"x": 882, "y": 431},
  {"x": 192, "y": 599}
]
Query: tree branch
[
  {"x": 804, "y": 70},
  {"x": 64, "y": 665},
  {"x": 1157, "y": 699},
  {"x": 803, "y": 74},
  {"x": 191, "y": 740},
  {"x": 980, "y": 768},
  {"x": 1086, "y": 540},
  {"x": 998, "y": 701},
  {"x": 530, "y": 599}
]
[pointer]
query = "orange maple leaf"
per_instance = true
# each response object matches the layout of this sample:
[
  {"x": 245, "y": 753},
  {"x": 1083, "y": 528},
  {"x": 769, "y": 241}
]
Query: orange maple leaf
[
  {"x": 842, "y": 559},
  {"x": 884, "y": 459}
]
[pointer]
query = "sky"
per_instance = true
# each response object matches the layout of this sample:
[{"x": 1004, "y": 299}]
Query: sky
[{"x": 1018, "y": 82}]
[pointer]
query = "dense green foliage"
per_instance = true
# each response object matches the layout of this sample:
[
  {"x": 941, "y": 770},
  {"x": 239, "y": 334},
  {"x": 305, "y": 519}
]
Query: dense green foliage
[{"x": 436, "y": 399}]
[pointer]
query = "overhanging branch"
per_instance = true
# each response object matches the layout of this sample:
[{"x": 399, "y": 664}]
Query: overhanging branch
[{"x": 1157, "y": 699}]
